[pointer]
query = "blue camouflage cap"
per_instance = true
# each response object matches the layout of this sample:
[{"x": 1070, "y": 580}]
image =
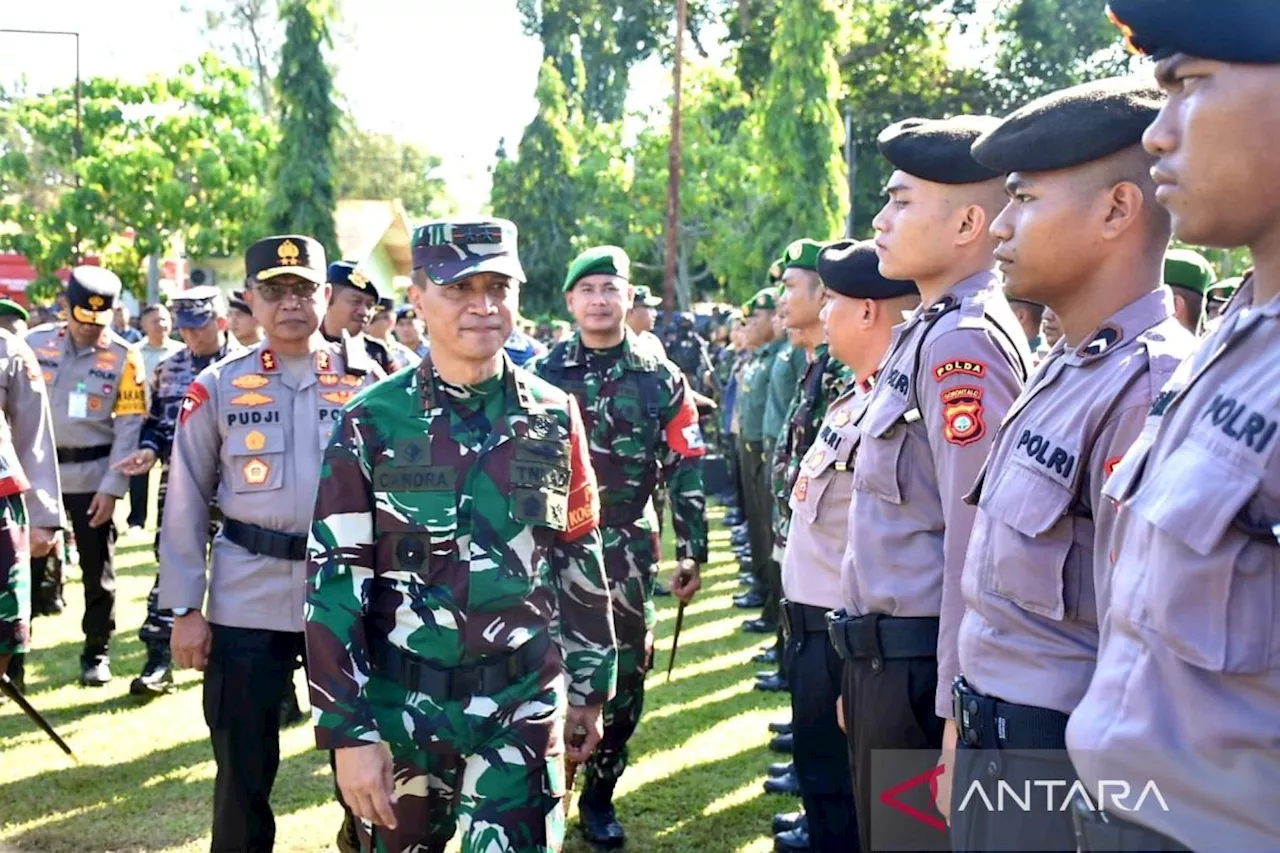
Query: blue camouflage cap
[
  {"x": 448, "y": 251},
  {"x": 194, "y": 307}
]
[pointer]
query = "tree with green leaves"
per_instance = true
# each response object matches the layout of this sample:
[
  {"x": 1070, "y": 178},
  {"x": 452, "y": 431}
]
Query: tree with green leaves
[
  {"x": 799, "y": 136},
  {"x": 537, "y": 191},
  {"x": 176, "y": 159},
  {"x": 379, "y": 166},
  {"x": 302, "y": 192}
]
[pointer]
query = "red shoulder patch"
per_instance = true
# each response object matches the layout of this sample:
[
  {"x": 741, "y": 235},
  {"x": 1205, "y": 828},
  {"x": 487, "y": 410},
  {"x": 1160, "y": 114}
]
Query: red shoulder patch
[
  {"x": 959, "y": 366},
  {"x": 197, "y": 395},
  {"x": 684, "y": 436},
  {"x": 1111, "y": 464},
  {"x": 584, "y": 494}
]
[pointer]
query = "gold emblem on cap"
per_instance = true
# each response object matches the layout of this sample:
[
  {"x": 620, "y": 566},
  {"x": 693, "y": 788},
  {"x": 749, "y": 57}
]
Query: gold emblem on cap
[
  {"x": 795, "y": 250},
  {"x": 359, "y": 279},
  {"x": 96, "y": 302},
  {"x": 289, "y": 253}
]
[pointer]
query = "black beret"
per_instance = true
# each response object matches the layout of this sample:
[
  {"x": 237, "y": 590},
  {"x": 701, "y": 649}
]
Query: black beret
[
  {"x": 1226, "y": 30},
  {"x": 938, "y": 149},
  {"x": 852, "y": 269},
  {"x": 285, "y": 254},
  {"x": 1074, "y": 126},
  {"x": 345, "y": 274}
]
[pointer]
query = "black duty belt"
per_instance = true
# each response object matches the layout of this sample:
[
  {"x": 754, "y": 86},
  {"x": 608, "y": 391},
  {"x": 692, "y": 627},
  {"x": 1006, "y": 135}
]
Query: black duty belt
[
  {"x": 264, "y": 542},
  {"x": 1102, "y": 832},
  {"x": 988, "y": 723},
  {"x": 879, "y": 638},
  {"x": 460, "y": 682},
  {"x": 803, "y": 618},
  {"x": 72, "y": 455}
]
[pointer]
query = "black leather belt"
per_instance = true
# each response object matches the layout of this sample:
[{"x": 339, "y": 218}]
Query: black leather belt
[
  {"x": 71, "y": 455},
  {"x": 264, "y": 542},
  {"x": 878, "y": 638},
  {"x": 988, "y": 723},
  {"x": 1103, "y": 832},
  {"x": 803, "y": 618},
  {"x": 456, "y": 683}
]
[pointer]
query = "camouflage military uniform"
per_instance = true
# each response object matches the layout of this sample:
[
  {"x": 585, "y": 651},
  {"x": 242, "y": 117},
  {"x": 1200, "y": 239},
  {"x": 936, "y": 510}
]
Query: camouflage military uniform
[
  {"x": 172, "y": 378},
  {"x": 456, "y": 532},
  {"x": 642, "y": 426}
]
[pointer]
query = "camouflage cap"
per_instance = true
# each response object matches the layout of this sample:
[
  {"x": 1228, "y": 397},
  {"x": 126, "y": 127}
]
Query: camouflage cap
[
  {"x": 644, "y": 296},
  {"x": 194, "y": 307},
  {"x": 598, "y": 260},
  {"x": 802, "y": 254},
  {"x": 1188, "y": 269},
  {"x": 448, "y": 251}
]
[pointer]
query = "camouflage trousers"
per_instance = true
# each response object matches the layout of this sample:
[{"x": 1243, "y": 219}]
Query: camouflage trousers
[
  {"x": 15, "y": 577},
  {"x": 490, "y": 767},
  {"x": 631, "y": 564}
]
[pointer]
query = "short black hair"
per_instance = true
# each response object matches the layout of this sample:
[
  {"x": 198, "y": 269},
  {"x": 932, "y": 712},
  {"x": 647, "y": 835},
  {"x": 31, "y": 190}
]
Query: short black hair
[{"x": 151, "y": 308}]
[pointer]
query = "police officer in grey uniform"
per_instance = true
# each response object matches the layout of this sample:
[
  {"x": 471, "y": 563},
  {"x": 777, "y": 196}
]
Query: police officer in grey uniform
[
  {"x": 98, "y": 399},
  {"x": 954, "y": 368},
  {"x": 1083, "y": 234},
  {"x": 201, "y": 317},
  {"x": 251, "y": 432},
  {"x": 862, "y": 307},
  {"x": 1185, "y": 695}
]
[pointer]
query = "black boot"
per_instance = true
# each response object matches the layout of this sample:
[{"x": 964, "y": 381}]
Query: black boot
[
  {"x": 157, "y": 674},
  {"x": 17, "y": 673},
  {"x": 598, "y": 820}
]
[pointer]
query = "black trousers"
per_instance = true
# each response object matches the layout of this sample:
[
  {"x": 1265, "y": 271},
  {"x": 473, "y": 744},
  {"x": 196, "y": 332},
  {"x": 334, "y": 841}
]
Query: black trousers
[
  {"x": 827, "y": 792},
  {"x": 888, "y": 705},
  {"x": 756, "y": 510},
  {"x": 139, "y": 494},
  {"x": 97, "y": 547},
  {"x": 248, "y": 674},
  {"x": 1043, "y": 826}
]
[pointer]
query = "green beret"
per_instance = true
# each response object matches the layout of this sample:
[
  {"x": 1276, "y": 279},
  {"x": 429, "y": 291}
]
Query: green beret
[
  {"x": 9, "y": 308},
  {"x": 938, "y": 150},
  {"x": 764, "y": 300},
  {"x": 1071, "y": 127},
  {"x": 775, "y": 269},
  {"x": 1227, "y": 30},
  {"x": 1226, "y": 288},
  {"x": 802, "y": 254},
  {"x": 599, "y": 260},
  {"x": 1188, "y": 269}
]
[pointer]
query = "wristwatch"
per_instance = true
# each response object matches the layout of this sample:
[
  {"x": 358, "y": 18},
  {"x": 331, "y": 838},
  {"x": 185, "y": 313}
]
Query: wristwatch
[{"x": 180, "y": 611}]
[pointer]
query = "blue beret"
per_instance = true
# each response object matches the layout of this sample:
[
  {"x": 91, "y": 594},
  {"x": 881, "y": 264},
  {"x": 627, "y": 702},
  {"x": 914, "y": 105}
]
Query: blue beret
[
  {"x": 1225, "y": 30},
  {"x": 851, "y": 268}
]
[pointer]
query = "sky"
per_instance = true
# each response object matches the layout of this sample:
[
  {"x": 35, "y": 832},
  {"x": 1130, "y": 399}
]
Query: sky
[{"x": 452, "y": 77}]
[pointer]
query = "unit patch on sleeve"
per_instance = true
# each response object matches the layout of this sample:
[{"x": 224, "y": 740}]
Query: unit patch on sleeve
[
  {"x": 959, "y": 366},
  {"x": 962, "y": 422}
]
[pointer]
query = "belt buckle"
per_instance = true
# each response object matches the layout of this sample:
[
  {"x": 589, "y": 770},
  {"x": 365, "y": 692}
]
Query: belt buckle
[
  {"x": 465, "y": 682},
  {"x": 967, "y": 710}
]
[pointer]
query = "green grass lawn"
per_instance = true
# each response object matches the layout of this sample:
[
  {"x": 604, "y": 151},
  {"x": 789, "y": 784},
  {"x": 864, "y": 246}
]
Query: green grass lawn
[{"x": 146, "y": 778}]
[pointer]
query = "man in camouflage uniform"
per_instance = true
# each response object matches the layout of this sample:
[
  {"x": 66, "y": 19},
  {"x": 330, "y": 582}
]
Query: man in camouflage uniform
[
  {"x": 250, "y": 437},
  {"x": 642, "y": 425},
  {"x": 30, "y": 492},
  {"x": 456, "y": 600},
  {"x": 98, "y": 400},
  {"x": 201, "y": 317}
]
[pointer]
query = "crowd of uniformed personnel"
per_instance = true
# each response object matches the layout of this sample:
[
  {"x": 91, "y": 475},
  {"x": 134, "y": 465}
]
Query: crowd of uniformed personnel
[{"x": 1001, "y": 481}]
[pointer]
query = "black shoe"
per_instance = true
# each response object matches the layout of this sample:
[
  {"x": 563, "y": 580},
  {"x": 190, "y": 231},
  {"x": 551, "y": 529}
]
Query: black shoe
[
  {"x": 290, "y": 711},
  {"x": 782, "y": 743},
  {"x": 787, "y": 821},
  {"x": 769, "y": 656},
  {"x": 758, "y": 626},
  {"x": 157, "y": 675},
  {"x": 773, "y": 684},
  {"x": 17, "y": 675},
  {"x": 782, "y": 768},
  {"x": 734, "y": 517},
  {"x": 95, "y": 670},
  {"x": 792, "y": 841},
  {"x": 780, "y": 728},
  {"x": 789, "y": 785},
  {"x": 749, "y": 600},
  {"x": 599, "y": 821},
  {"x": 660, "y": 590}
]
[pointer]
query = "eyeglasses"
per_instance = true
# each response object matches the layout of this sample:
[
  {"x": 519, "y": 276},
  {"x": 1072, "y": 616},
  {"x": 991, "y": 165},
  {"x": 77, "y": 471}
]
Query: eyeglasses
[{"x": 274, "y": 291}]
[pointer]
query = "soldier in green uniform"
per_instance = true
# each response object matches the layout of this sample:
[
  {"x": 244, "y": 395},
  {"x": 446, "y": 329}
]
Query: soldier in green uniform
[
  {"x": 753, "y": 396},
  {"x": 1189, "y": 275},
  {"x": 458, "y": 619},
  {"x": 642, "y": 425}
]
